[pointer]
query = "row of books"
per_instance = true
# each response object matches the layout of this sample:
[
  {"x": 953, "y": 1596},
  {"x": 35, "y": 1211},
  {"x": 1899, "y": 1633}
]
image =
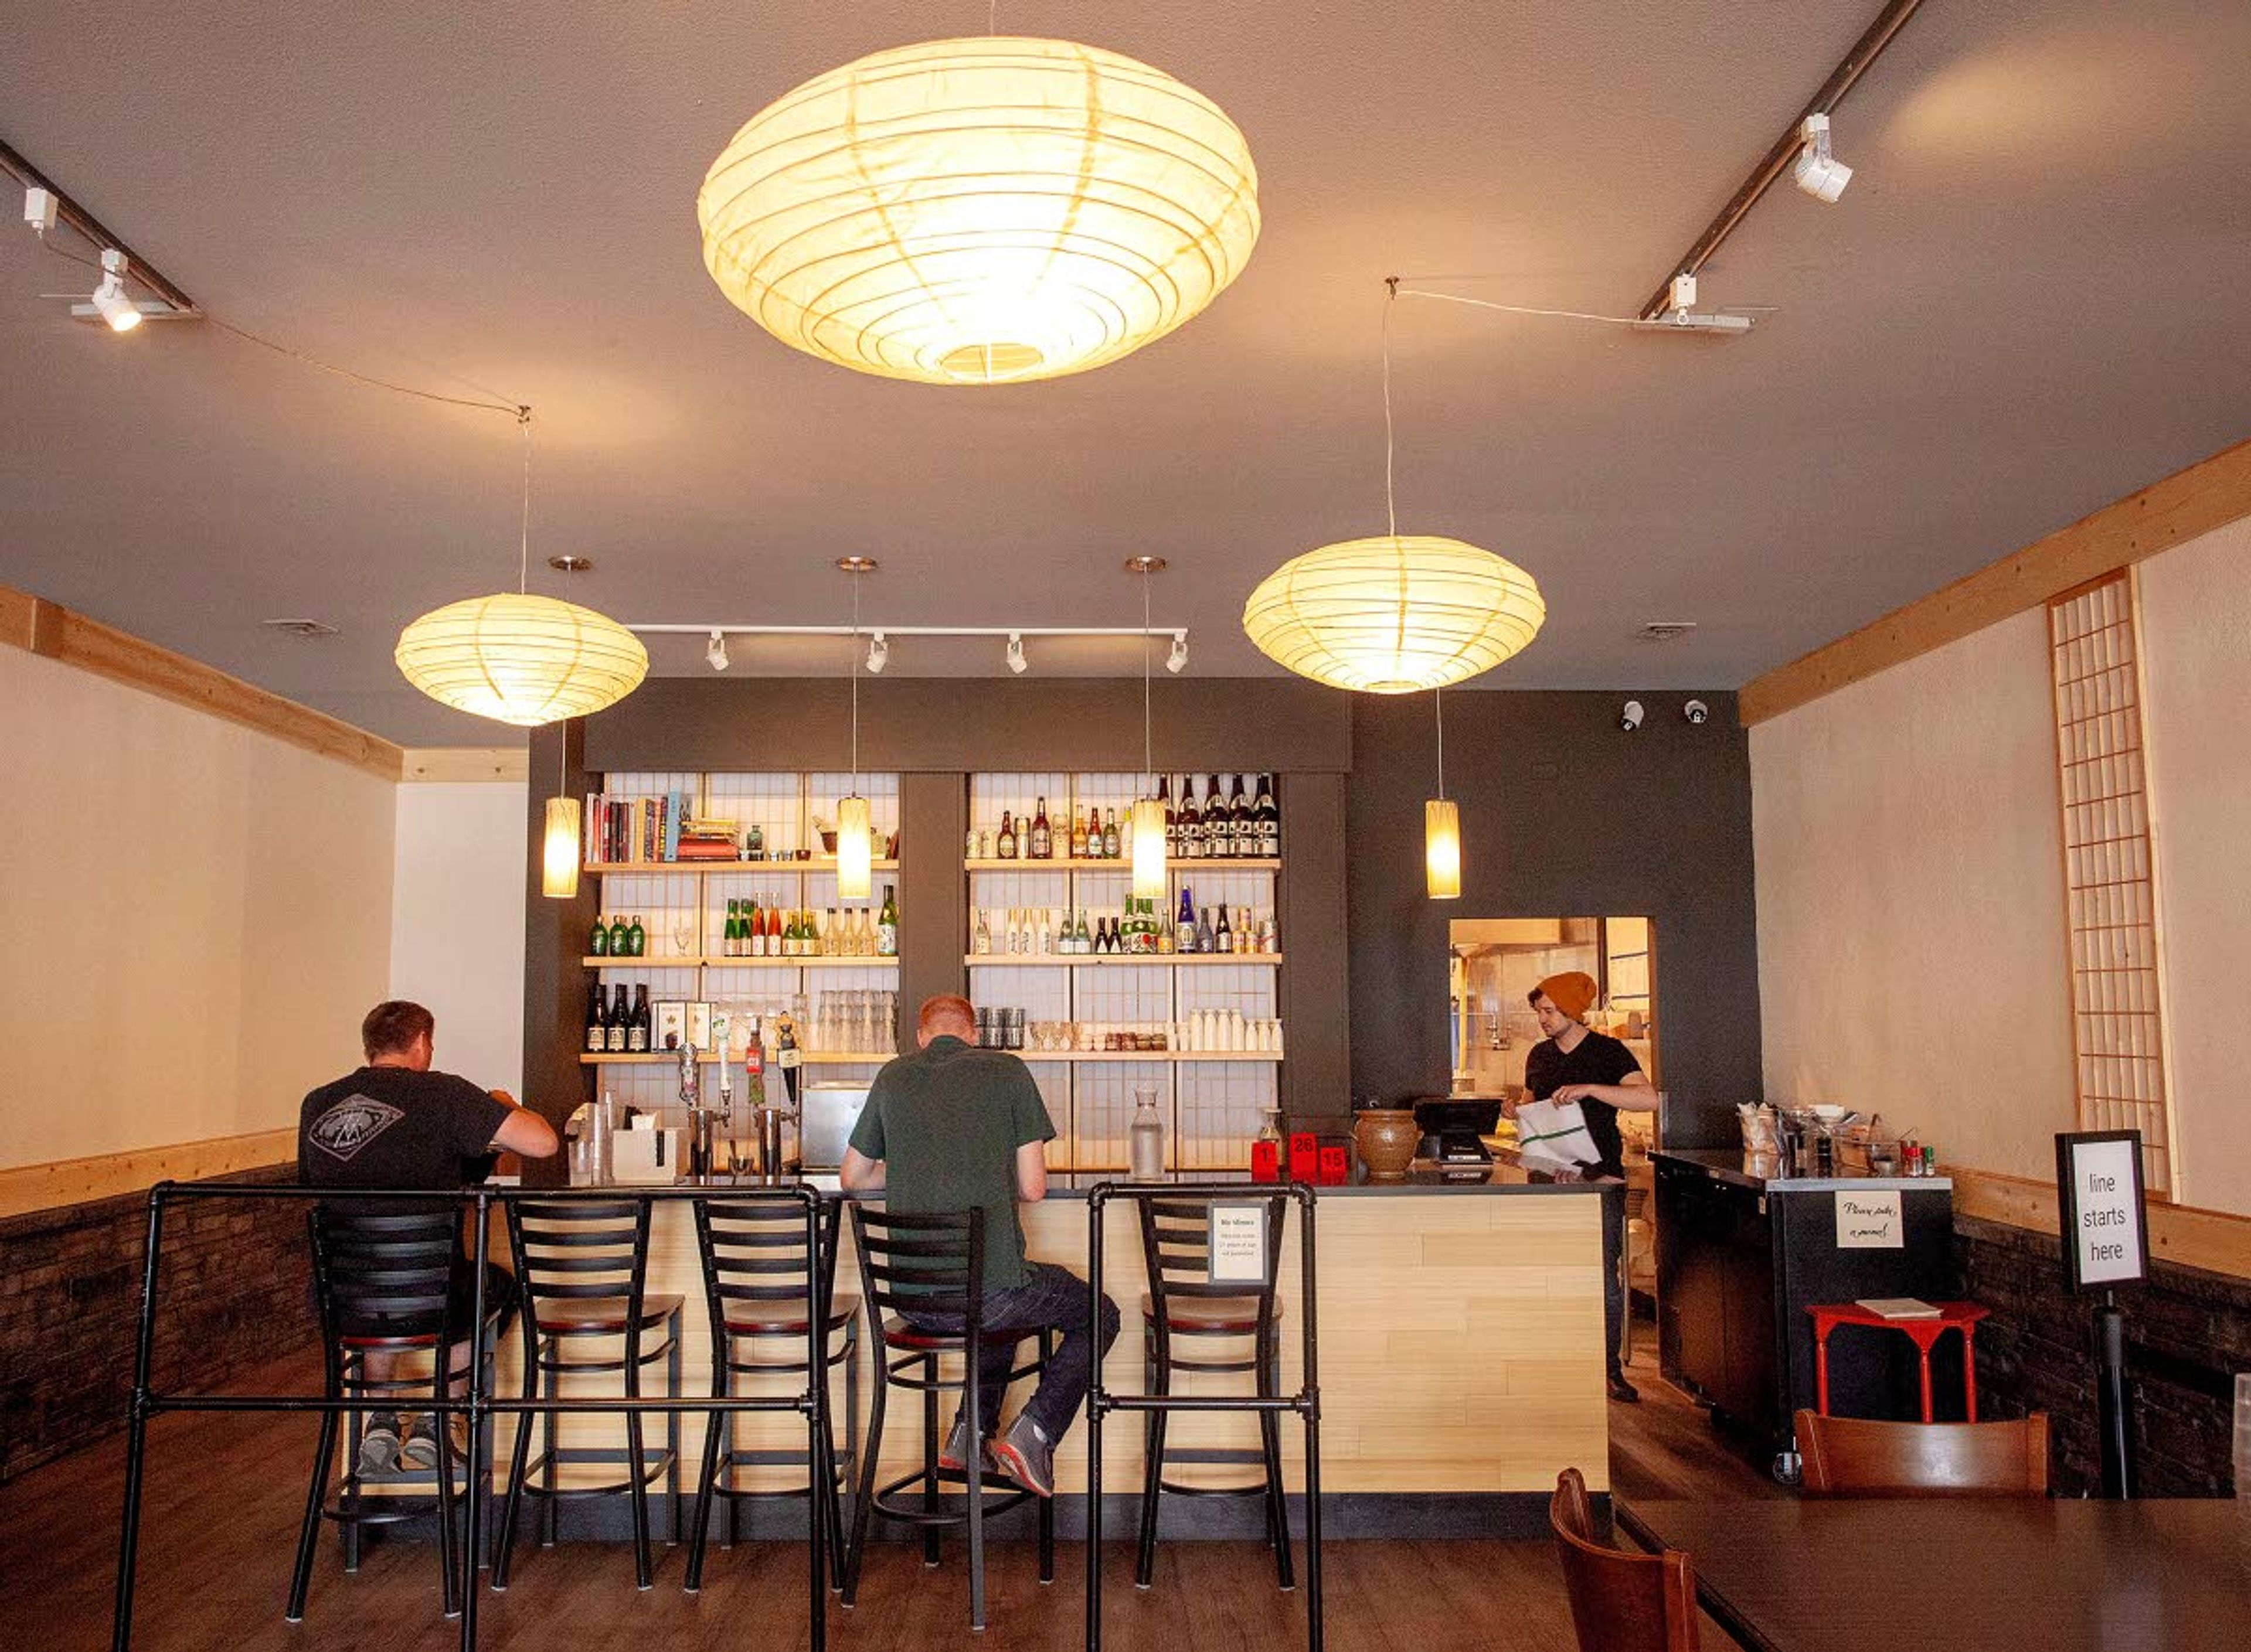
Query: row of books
[{"x": 634, "y": 831}]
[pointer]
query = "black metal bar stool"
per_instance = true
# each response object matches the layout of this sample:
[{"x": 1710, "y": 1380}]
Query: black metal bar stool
[
  {"x": 583, "y": 1267},
  {"x": 389, "y": 1283},
  {"x": 757, "y": 1259},
  {"x": 1215, "y": 1320},
  {"x": 933, "y": 1267}
]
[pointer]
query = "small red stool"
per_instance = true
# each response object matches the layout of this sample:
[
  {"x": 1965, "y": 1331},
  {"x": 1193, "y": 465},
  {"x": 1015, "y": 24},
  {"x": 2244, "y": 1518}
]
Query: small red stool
[{"x": 1924, "y": 1333}]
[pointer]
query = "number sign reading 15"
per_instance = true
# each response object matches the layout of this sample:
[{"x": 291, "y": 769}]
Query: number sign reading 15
[{"x": 2105, "y": 1228}]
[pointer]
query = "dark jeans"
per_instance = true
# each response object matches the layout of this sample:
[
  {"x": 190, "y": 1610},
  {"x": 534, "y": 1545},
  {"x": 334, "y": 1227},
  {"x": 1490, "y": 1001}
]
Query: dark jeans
[
  {"x": 1052, "y": 1298},
  {"x": 1613, "y": 1197}
]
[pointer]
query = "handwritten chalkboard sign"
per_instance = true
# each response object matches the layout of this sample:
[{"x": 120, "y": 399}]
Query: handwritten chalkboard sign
[{"x": 2101, "y": 1210}]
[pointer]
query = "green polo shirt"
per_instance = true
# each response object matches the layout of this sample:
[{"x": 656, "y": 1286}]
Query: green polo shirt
[{"x": 946, "y": 1123}]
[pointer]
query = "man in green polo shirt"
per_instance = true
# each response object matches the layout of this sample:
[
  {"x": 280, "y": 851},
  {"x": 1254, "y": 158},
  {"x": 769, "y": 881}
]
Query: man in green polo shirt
[{"x": 956, "y": 1128}]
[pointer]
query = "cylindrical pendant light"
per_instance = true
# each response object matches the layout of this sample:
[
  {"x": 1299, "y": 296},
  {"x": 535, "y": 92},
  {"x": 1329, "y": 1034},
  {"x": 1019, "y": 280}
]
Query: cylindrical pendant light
[
  {"x": 1442, "y": 849},
  {"x": 558, "y": 878},
  {"x": 1442, "y": 827},
  {"x": 855, "y": 850},
  {"x": 980, "y": 211}
]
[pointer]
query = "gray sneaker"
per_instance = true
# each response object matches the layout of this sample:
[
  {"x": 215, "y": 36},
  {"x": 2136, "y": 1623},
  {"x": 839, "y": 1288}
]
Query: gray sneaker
[
  {"x": 953, "y": 1455},
  {"x": 378, "y": 1444},
  {"x": 1027, "y": 1456},
  {"x": 420, "y": 1450}
]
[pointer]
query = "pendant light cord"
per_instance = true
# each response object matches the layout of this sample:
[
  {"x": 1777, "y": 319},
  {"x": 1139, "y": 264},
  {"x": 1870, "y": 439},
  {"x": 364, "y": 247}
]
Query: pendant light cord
[
  {"x": 1438, "y": 706},
  {"x": 1148, "y": 760},
  {"x": 524, "y": 564},
  {"x": 1390, "y": 502},
  {"x": 856, "y": 683}
]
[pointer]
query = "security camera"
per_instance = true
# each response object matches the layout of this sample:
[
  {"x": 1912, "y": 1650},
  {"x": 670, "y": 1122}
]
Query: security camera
[
  {"x": 1696, "y": 711},
  {"x": 1629, "y": 715}
]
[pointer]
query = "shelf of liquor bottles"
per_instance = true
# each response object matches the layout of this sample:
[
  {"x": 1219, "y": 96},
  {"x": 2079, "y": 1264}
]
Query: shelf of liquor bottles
[
  {"x": 737, "y": 867},
  {"x": 1212, "y": 1100},
  {"x": 826, "y": 961},
  {"x": 710, "y": 1057}
]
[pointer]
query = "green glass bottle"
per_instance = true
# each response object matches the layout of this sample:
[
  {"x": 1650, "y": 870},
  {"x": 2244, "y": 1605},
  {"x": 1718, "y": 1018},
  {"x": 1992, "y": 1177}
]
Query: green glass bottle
[
  {"x": 637, "y": 939},
  {"x": 887, "y": 924},
  {"x": 598, "y": 940},
  {"x": 731, "y": 939},
  {"x": 620, "y": 938}
]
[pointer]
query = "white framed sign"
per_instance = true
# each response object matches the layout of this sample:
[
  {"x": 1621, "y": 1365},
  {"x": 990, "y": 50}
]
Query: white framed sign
[
  {"x": 2100, "y": 1205},
  {"x": 1237, "y": 1235},
  {"x": 1870, "y": 1221}
]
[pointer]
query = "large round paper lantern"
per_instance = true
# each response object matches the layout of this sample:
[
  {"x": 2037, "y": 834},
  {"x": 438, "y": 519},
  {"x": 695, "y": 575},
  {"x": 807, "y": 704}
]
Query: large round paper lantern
[
  {"x": 1396, "y": 614},
  {"x": 521, "y": 659},
  {"x": 980, "y": 211}
]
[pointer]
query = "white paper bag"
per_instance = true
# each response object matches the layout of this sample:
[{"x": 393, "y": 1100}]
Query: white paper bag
[{"x": 1552, "y": 1136}]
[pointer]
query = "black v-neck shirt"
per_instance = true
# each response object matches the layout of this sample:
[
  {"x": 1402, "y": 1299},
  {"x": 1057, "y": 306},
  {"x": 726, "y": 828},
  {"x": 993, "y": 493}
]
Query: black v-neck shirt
[{"x": 1595, "y": 1058}]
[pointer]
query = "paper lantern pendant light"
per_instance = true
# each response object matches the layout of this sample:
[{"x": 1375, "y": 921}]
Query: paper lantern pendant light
[
  {"x": 1442, "y": 849},
  {"x": 980, "y": 211},
  {"x": 521, "y": 659},
  {"x": 558, "y": 870},
  {"x": 1148, "y": 818},
  {"x": 1394, "y": 614},
  {"x": 854, "y": 849}
]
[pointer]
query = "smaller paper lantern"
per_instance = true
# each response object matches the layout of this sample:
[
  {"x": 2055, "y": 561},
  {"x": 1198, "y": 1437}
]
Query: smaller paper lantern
[
  {"x": 521, "y": 659},
  {"x": 1396, "y": 614},
  {"x": 1148, "y": 824},
  {"x": 558, "y": 878},
  {"x": 1442, "y": 849},
  {"x": 856, "y": 849}
]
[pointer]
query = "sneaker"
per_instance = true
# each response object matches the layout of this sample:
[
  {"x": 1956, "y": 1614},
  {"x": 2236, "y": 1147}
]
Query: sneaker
[
  {"x": 420, "y": 1450},
  {"x": 1027, "y": 1456},
  {"x": 378, "y": 1444},
  {"x": 953, "y": 1455},
  {"x": 1621, "y": 1390}
]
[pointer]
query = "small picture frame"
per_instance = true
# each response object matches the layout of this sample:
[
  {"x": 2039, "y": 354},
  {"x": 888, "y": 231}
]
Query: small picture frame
[
  {"x": 699, "y": 1024},
  {"x": 671, "y": 1025}
]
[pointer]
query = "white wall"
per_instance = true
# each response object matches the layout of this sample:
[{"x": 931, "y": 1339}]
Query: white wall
[
  {"x": 457, "y": 922},
  {"x": 1910, "y": 901},
  {"x": 1910, "y": 907},
  {"x": 2196, "y": 631},
  {"x": 197, "y": 916}
]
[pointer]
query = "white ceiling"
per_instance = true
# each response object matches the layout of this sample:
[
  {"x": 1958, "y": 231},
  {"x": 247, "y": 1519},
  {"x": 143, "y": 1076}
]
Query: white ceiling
[{"x": 2029, "y": 303}]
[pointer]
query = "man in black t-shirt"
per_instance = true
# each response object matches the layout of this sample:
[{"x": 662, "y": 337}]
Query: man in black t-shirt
[
  {"x": 1574, "y": 1063},
  {"x": 396, "y": 1124}
]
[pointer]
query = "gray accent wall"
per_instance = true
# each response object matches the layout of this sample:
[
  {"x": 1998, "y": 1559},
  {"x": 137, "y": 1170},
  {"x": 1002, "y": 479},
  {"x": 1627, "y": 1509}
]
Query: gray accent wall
[{"x": 1563, "y": 815}]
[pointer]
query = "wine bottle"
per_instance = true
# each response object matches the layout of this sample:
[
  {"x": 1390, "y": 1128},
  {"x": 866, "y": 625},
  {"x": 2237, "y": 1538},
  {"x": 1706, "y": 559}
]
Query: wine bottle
[
  {"x": 1045, "y": 948},
  {"x": 981, "y": 939},
  {"x": 1083, "y": 942},
  {"x": 1004, "y": 846},
  {"x": 1206, "y": 941},
  {"x": 638, "y": 1029},
  {"x": 887, "y": 925},
  {"x": 1223, "y": 936},
  {"x": 1171, "y": 827},
  {"x": 1190, "y": 828},
  {"x": 730, "y": 935},
  {"x": 1214, "y": 820},
  {"x": 1239, "y": 817},
  {"x": 1043, "y": 847},
  {"x": 597, "y": 1032},
  {"x": 621, "y": 1012},
  {"x": 1270, "y": 820}
]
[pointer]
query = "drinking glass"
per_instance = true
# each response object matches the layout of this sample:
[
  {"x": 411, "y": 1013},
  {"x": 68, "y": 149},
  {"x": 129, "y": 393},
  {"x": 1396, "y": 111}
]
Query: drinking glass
[{"x": 683, "y": 938}]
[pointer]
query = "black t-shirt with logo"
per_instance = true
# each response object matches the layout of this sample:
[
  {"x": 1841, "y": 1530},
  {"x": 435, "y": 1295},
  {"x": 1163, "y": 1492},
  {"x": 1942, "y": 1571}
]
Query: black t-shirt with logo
[
  {"x": 393, "y": 1127},
  {"x": 1595, "y": 1058}
]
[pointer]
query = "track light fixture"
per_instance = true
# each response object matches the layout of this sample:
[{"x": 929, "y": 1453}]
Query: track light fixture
[
  {"x": 1017, "y": 663},
  {"x": 1177, "y": 661},
  {"x": 715, "y": 652},
  {"x": 119, "y": 311},
  {"x": 879, "y": 654},
  {"x": 1819, "y": 173}
]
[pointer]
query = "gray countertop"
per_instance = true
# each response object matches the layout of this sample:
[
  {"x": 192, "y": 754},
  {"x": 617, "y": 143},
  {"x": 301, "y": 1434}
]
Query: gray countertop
[{"x": 1759, "y": 1171}]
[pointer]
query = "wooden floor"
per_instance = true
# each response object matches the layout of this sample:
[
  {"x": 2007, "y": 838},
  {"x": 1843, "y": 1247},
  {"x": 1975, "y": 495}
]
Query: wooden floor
[{"x": 225, "y": 1494}]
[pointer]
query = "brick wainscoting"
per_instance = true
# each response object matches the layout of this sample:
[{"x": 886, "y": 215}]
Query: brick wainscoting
[
  {"x": 2187, "y": 1332},
  {"x": 236, "y": 1290}
]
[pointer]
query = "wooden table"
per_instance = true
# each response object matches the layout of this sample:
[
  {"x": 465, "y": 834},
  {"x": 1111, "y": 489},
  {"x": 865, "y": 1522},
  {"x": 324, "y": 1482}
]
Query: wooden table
[{"x": 1992, "y": 1575}]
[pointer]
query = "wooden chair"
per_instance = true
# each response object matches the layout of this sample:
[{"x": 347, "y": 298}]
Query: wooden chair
[
  {"x": 1620, "y": 1601},
  {"x": 1856, "y": 1457}
]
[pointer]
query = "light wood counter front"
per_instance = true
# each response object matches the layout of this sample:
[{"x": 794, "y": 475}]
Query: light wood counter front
[{"x": 1460, "y": 1344}]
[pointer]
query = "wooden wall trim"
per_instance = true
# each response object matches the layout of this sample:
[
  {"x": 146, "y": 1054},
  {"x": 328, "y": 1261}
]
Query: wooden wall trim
[
  {"x": 2212, "y": 1240},
  {"x": 43, "y": 627},
  {"x": 2209, "y": 495},
  {"x": 79, "y": 1181},
  {"x": 434, "y": 765}
]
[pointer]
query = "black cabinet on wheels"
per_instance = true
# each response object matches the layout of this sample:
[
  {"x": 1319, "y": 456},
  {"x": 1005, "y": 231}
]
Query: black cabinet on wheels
[{"x": 1739, "y": 1258}]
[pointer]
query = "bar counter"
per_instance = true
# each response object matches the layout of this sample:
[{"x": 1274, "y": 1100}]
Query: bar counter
[{"x": 1460, "y": 1338}]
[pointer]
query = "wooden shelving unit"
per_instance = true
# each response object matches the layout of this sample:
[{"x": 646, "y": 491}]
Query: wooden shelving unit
[
  {"x": 1058, "y": 864},
  {"x": 715, "y": 868},
  {"x": 707, "y": 1058},
  {"x": 826, "y": 961},
  {"x": 1121, "y": 960}
]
